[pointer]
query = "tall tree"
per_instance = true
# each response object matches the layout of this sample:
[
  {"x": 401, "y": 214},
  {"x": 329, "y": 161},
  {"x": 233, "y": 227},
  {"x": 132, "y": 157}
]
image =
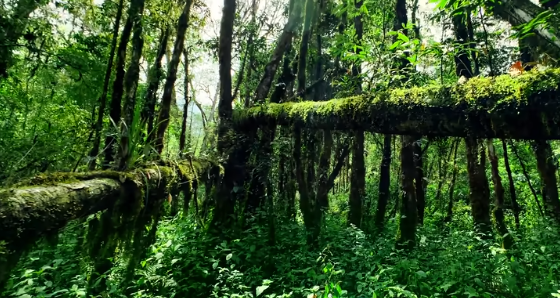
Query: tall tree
[
  {"x": 358, "y": 173},
  {"x": 130, "y": 85},
  {"x": 547, "y": 171},
  {"x": 476, "y": 160},
  {"x": 154, "y": 76},
  {"x": 384, "y": 183},
  {"x": 233, "y": 173},
  {"x": 499, "y": 191},
  {"x": 264, "y": 155},
  {"x": 183, "y": 136},
  {"x": 406, "y": 236},
  {"x": 513, "y": 194},
  {"x": 172, "y": 67},
  {"x": 103, "y": 99},
  {"x": 305, "y": 190},
  {"x": 118, "y": 84}
]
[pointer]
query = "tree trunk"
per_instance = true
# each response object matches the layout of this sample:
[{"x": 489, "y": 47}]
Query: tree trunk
[
  {"x": 357, "y": 180},
  {"x": 305, "y": 202},
  {"x": 285, "y": 39},
  {"x": 166, "y": 99},
  {"x": 479, "y": 190},
  {"x": 443, "y": 170},
  {"x": 116, "y": 96},
  {"x": 384, "y": 183},
  {"x": 358, "y": 174},
  {"x": 304, "y": 46},
  {"x": 449, "y": 214},
  {"x": 305, "y": 190},
  {"x": 183, "y": 135},
  {"x": 419, "y": 180},
  {"x": 406, "y": 237},
  {"x": 103, "y": 99},
  {"x": 257, "y": 194},
  {"x": 230, "y": 145},
  {"x": 526, "y": 174},
  {"x": 323, "y": 172},
  {"x": 154, "y": 76},
  {"x": 499, "y": 191},
  {"x": 462, "y": 61},
  {"x": 547, "y": 172},
  {"x": 513, "y": 195},
  {"x": 128, "y": 129},
  {"x": 476, "y": 116},
  {"x": 478, "y": 183},
  {"x": 472, "y": 42}
]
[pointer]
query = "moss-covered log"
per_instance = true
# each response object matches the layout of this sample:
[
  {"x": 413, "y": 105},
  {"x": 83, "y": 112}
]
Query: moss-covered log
[
  {"x": 46, "y": 203},
  {"x": 523, "y": 107}
]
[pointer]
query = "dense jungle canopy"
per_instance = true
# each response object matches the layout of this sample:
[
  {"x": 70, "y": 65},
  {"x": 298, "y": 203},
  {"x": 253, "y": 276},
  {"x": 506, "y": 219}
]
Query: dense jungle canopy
[{"x": 279, "y": 148}]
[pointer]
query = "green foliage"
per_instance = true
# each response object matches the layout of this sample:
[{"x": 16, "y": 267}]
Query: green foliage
[{"x": 186, "y": 262}]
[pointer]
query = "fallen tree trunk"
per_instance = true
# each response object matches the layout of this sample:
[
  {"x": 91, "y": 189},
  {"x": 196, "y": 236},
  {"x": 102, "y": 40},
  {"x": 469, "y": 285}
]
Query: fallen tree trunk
[
  {"x": 44, "y": 204},
  {"x": 524, "y": 107}
]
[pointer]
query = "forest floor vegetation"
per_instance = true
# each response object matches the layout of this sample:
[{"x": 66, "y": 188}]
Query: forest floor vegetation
[{"x": 449, "y": 261}]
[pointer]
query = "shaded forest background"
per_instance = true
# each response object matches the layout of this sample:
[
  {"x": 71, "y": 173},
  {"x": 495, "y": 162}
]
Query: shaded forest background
[{"x": 127, "y": 170}]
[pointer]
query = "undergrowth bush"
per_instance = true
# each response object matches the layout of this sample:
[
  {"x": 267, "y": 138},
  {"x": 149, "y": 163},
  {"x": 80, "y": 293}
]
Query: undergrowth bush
[{"x": 188, "y": 262}]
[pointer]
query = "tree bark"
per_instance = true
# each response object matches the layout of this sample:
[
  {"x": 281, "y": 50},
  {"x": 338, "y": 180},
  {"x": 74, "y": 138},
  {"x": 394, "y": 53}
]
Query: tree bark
[
  {"x": 307, "y": 195},
  {"x": 323, "y": 171},
  {"x": 462, "y": 61},
  {"x": 289, "y": 31},
  {"x": 236, "y": 156},
  {"x": 304, "y": 46},
  {"x": 259, "y": 180}
]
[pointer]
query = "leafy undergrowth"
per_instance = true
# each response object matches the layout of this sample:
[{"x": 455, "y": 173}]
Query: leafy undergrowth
[{"x": 185, "y": 262}]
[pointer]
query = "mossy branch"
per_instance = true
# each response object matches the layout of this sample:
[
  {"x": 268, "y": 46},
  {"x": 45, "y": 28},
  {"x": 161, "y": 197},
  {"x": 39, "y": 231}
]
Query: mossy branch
[{"x": 522, "y": 107}]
